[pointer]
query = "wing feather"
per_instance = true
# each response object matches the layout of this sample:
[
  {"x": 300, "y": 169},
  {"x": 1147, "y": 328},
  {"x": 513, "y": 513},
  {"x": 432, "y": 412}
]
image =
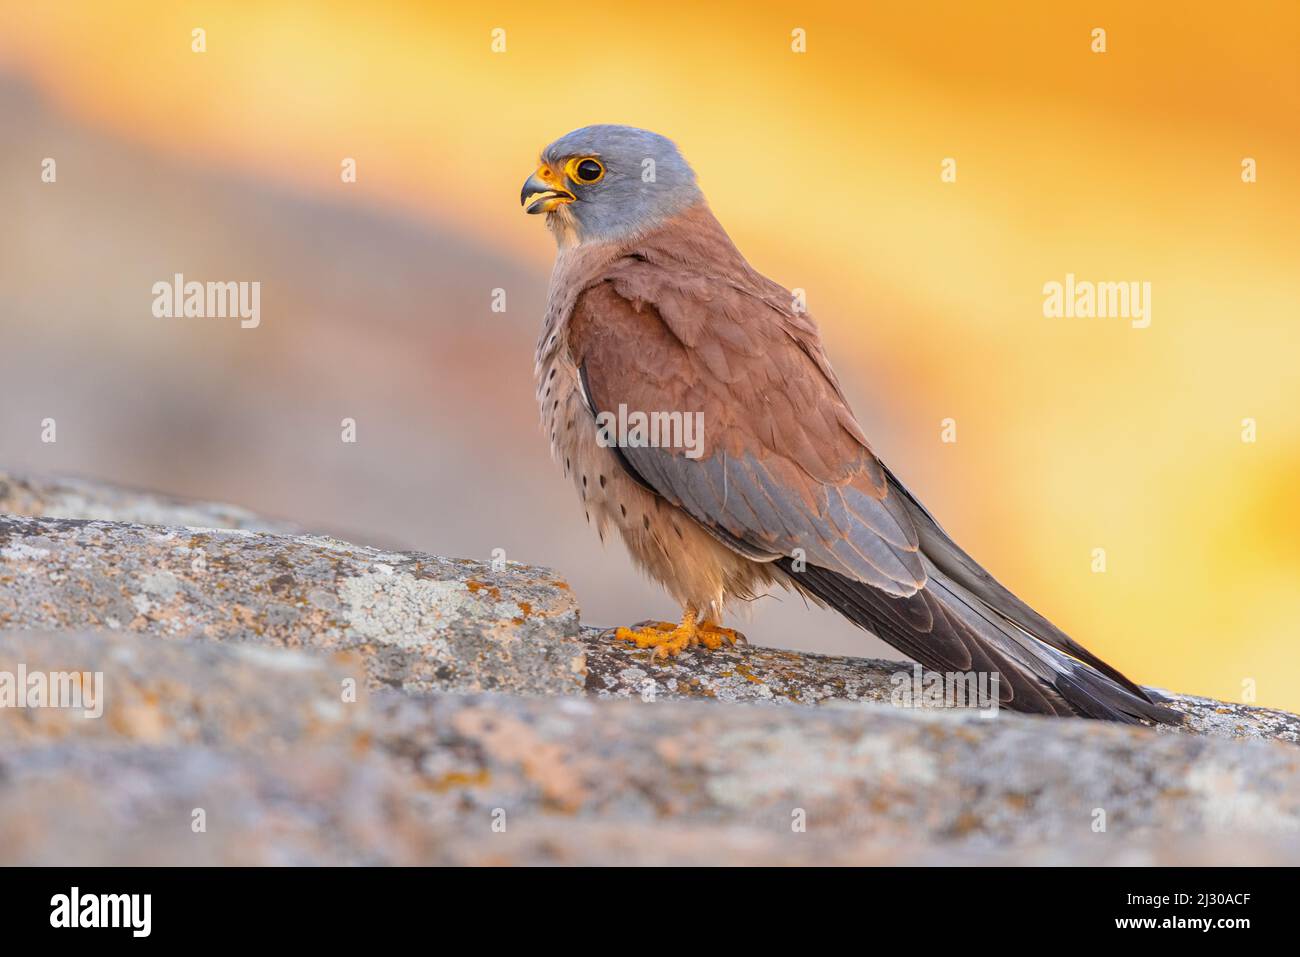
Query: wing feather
[{"x": 779, "y": 472}]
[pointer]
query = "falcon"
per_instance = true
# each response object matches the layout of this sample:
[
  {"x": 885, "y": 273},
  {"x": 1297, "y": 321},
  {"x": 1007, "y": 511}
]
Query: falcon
[{"x": 652, "y": 311}]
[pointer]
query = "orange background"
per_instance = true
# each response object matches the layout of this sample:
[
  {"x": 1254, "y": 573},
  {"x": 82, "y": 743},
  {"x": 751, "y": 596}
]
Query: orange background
[{"x": 1073, "y": 434}]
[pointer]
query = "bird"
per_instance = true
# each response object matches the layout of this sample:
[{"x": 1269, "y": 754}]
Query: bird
[{"x": 653, "y": 313}]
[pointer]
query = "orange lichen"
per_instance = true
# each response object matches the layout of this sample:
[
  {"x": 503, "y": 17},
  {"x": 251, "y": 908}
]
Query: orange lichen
[
  {"x": 462, "y": 779},
  {"x": 748, "y": 675},
  {"x": 477, "y": 586}
]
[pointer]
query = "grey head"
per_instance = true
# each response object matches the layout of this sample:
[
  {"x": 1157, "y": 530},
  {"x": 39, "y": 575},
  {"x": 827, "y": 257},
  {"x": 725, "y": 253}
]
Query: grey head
[{"x": 607, "y": 182}]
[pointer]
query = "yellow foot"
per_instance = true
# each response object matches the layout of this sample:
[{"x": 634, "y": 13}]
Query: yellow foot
[
  {"x": 714, "y": 636},
  {"x": 664, "y": 637},
  {"x": 669, "y": 640}
]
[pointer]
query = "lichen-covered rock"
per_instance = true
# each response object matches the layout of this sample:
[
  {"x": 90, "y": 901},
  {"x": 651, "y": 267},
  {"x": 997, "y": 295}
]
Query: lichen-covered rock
[
  {"x": 139, "y": 806},
  {"x": 280, "y": 698},
  {"x": 770, "y": 675},
  {"x": 174, "y": 770},
  {"x": 90, "y": 805},
  {"x": 864, "y": 771},
  {"x": 418, "y": 621},
  {"x": 132, "y": 690}
]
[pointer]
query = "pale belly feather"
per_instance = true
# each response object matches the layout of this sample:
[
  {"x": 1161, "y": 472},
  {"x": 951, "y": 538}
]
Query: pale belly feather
[{"x": 701, "y": 573}]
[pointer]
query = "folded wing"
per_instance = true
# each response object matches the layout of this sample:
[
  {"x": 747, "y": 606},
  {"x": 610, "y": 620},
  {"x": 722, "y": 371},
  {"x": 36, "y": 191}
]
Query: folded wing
[{"x": 785, "y": 475}]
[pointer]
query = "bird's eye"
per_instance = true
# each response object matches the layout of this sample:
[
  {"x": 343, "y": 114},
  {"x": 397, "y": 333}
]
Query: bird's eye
[{"x": 586, "y": 170}]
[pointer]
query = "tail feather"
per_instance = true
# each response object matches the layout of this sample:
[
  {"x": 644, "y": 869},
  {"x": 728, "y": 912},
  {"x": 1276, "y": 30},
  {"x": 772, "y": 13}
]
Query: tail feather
[
  {"x": 948, "y": 557},
  {"x": 947, "y": 629}
]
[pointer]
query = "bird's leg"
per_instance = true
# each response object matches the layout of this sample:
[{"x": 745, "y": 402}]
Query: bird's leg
[{"x": 669, "y": 640}]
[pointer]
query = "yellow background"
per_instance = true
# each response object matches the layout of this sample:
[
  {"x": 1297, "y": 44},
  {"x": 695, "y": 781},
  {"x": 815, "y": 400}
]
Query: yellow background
[{"x": 1073, "y": 434}]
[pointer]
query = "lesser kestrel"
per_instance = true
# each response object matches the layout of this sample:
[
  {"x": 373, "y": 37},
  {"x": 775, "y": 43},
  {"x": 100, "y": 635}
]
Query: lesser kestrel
[{"x": 652, "y": 311}]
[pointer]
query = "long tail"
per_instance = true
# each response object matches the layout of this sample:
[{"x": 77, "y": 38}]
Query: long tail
[{"x": 948, "y": 628}]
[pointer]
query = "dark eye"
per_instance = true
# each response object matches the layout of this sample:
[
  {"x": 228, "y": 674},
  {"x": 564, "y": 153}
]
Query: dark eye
[{"x": 588, "y": 171}]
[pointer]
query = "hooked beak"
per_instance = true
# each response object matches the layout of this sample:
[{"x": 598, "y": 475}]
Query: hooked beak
[{"x": 544, "y": 191}]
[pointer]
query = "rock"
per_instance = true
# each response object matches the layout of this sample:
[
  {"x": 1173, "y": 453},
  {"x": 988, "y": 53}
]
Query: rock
[
  {"x": 867, "y": 771},
  {"x": 46, "y": 497},
  {"x": 417, "y": 621},
  {"x": 268, "y": 741},
  {"x": 282, "y": 698},
  {"x": 744, "y": 673},
  {"x": 141, "y": 807},
  {"x": 287, "y": 767},
  {"x": 181, "y": 693},
  {"x": 174, "y": 806}
]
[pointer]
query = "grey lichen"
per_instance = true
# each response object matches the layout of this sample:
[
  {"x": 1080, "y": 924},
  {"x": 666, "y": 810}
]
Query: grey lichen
[{"x": 419, "y": 621}]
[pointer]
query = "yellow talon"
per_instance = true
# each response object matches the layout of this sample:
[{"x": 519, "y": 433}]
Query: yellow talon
[
  {"x": 714, "y": 636},
  {"x": 669, "y": 640}
]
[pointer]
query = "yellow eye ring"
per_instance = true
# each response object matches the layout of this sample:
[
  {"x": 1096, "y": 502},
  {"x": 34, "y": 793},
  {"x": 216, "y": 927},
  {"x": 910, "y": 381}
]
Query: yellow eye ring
[{"x": 585, "y": 170}]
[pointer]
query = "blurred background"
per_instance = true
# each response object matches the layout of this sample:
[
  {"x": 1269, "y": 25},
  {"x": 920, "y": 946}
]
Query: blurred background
[{"x": 1072, "y": 434}]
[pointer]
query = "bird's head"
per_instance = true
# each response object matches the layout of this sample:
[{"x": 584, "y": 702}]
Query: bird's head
[{"x": 607, "y": 182}]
